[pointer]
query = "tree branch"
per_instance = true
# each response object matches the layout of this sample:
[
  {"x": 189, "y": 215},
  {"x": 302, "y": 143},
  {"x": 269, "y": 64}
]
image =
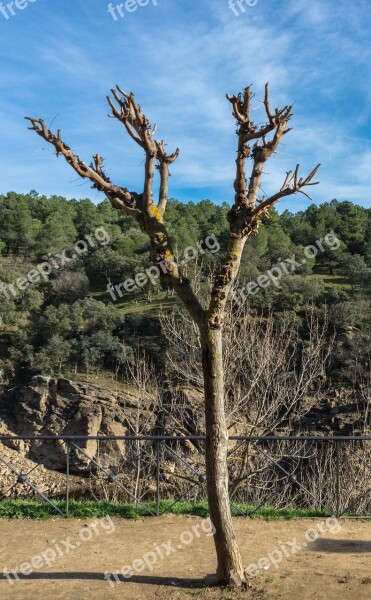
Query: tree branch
[
  {"x": 262, "y": 150},
  {"x": 244, "y": 214},
  {"x": 139, "y": 206},
  {"x": 128, "y": 112},
  {"x": 119, "y": 196},
  {"x": 292, "y": 185},
  {"x": 164, "y": 160}
]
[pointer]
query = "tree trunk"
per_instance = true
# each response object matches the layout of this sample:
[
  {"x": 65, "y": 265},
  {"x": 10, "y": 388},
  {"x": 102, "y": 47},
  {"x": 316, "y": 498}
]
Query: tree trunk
[
  {"x": 229, "y": 569},
  {"x": 244, "y": 220}
]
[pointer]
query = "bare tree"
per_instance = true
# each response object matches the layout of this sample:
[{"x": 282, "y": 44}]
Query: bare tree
[
  {"x": 270, "y": 370},
  {"x": 244, "y": 220},
  {"x": 141, "y": 373},
  {"x": 359, "y": 373},
  {"x": 272, "y": 376}
]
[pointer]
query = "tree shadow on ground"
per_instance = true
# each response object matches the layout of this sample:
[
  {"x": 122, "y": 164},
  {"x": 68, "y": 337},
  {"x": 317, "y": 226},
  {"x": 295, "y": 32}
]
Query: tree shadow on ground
[
  {"x": 139, "y": 579},
  {"x": 338, "y": 546}
]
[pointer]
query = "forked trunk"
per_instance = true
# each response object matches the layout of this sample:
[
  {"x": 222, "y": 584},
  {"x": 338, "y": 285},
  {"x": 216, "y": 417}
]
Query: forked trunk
[
  {"x": 229, "y": 569},
  {"x": 244, "y": 220}
]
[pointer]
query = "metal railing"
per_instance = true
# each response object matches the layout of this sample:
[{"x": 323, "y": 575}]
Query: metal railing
[{"x": 327, "y": 473}]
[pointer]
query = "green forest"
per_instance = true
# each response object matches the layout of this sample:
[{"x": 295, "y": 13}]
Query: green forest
[{"x": 59, "y": 318}]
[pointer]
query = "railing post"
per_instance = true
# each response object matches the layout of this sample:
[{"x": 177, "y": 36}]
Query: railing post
[
  {"x": 67, "y": 478},
  {"x": 158, "y": 478},
  {"x": 337, "y": 479},
  {"x": 247, "y": 479}
]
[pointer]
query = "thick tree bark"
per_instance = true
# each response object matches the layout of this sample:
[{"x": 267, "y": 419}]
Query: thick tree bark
[{"x": 229, "y": 563}]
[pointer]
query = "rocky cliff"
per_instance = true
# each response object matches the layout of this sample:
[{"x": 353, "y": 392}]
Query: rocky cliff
[{"x": 62, "y": 407}]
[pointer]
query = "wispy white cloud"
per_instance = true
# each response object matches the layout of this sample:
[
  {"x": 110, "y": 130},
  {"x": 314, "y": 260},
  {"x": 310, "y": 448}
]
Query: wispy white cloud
[{"x": 181, "y": 59}]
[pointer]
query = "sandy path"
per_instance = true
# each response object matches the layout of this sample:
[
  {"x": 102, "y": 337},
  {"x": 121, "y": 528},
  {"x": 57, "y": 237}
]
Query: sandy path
[{"x": 336, "y": 565}]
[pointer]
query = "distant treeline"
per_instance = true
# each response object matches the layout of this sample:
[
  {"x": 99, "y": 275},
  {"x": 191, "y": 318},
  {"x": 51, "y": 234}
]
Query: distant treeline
[{"x": 69, "y": 321}]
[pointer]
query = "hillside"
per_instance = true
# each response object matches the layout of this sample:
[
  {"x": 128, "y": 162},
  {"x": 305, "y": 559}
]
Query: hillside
[{"x": 70, "y": 301}]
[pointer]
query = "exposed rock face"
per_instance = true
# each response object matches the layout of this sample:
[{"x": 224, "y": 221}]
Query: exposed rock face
[
  {"x": 60, "y": 407},
  {"x": 341, "y": 412}
]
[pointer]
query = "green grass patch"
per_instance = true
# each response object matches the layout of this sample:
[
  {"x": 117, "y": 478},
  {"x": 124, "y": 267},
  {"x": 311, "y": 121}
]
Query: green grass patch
[
  {"x": 38, "y": 510},
  {"x": 129, "y": 303},
  {"x": 154, "y": 308},
  {"x": 331, "y": 281}
]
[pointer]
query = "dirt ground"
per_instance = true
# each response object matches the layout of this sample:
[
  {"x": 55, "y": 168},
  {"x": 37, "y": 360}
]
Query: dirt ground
[{"x": 180, "y": 552}]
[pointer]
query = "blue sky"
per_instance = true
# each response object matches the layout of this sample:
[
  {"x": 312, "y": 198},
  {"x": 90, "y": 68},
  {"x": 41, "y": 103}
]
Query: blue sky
[{"x": 61, "y": 57}]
